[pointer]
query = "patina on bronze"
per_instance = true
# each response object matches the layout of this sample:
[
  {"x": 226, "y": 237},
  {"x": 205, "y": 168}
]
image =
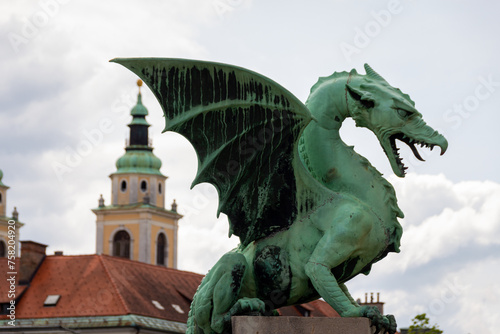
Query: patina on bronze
[{"x": 309, "y": 211}]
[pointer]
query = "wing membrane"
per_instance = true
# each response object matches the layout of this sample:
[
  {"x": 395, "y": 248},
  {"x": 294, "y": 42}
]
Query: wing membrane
[{"x": 244, "y": 128}]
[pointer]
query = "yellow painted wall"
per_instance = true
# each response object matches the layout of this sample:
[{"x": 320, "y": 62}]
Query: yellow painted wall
[
  {"x": 163, "y": 219},
  {"x": 160, "y": 198},
  {"x": 134, "y": 215},
  {"x": 121, "y": 216},
  {"x": 106, "y": 234},
  {"x": 170, "y": 235}
]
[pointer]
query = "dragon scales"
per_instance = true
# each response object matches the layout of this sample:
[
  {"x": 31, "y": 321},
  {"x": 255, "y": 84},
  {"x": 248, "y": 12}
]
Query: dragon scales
[{"x": 309, "y": 211}]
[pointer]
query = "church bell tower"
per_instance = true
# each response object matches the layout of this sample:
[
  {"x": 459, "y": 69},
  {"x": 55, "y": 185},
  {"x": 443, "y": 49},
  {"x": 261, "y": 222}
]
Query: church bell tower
[{"x": 136, "y": 224}]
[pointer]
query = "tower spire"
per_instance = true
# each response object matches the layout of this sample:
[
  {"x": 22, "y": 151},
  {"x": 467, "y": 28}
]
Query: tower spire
[{"x": 139, "y": 139}]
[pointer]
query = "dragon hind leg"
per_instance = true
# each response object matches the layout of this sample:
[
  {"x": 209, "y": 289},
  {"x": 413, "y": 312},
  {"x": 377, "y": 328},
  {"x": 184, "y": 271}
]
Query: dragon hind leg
[
  {"x": 226, "y": 303},
  {"x": 216, "y": 300}
]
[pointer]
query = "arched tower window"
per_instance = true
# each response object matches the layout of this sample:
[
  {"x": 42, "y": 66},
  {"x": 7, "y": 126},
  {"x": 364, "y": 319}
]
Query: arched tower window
[
  {"x": 123, "y": 186},
  {"x": 1, "y": 199},
  {"x": 159, "y": 188},
  {"x": 3, "y": 250},
  {"x": 144, "y": 186},
  {"x": 121, "y": 244},
  {"x": 161, "y": 249}
]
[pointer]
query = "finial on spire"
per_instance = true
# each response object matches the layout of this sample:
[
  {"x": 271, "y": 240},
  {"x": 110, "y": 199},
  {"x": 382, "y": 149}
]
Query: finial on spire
[{"x": 139, "y": 84}]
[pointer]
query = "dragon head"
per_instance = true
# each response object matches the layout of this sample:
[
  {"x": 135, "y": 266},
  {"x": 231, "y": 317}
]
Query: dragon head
[{"x": 391, "y": 115}]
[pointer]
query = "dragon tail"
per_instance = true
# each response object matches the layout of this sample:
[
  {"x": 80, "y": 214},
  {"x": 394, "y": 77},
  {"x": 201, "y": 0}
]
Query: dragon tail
[
  {"x": 201, "y": 307},
  {"x": 190, "y": 321}
]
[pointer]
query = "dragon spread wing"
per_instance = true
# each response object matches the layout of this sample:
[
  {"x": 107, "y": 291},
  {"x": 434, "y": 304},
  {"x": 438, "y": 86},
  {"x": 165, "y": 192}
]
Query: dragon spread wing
[{"x": 244, "y": 128}]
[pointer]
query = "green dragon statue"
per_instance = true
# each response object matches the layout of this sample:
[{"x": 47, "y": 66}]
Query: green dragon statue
[{"x": 309, "y": 211}]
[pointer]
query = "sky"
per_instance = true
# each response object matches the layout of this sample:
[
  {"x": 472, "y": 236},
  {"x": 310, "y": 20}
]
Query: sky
[{"x": 63, "y": 104}]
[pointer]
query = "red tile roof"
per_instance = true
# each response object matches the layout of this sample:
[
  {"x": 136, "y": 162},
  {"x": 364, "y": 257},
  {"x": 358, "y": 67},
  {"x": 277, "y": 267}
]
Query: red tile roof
[
  {"x": 4, "y": 275},
  {"x": 97, "y": 285},
  {"x": 140, "y": 284}
]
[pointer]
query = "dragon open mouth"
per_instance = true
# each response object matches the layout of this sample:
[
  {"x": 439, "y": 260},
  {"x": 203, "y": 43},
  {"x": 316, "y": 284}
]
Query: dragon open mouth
[{"x": 411, "y": 143}]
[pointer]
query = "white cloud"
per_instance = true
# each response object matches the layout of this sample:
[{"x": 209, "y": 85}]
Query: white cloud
[
  {"x": 443, "y": 218},
  {"x": 480, "y": 301}
]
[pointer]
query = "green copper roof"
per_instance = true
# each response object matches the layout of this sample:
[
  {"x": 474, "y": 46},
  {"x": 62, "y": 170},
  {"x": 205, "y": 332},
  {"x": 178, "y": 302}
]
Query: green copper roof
[
  {"x": 138, "y": 161},
  {"x": 139, "y": 109},
  {"x": 1, "y": 176},
  {"x": 112, "y": 321},
  {"x": 140, "y": 121}
]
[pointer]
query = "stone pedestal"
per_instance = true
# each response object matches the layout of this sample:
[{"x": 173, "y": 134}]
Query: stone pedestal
[{"x": 300, "y": 325}]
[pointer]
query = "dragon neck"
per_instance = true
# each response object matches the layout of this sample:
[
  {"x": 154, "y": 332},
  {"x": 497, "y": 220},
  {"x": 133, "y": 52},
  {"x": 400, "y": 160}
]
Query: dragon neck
[
  {"x": 320, "y": 144},
  {"x": 328, "y": 159}
]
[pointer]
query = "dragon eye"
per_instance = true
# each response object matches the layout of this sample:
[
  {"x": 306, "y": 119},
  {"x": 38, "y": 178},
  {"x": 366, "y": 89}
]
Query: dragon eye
[{"x": 403, "y": 113}]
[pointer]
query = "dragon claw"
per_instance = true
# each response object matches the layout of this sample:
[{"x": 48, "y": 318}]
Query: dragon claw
[
  {"x": 248, "y": 305},
  {"x": 383, "y": 323}
]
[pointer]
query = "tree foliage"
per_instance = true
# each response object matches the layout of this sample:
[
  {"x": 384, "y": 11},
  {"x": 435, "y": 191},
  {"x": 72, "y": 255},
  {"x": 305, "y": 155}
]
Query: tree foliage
[{"x": 420, "y": 325}]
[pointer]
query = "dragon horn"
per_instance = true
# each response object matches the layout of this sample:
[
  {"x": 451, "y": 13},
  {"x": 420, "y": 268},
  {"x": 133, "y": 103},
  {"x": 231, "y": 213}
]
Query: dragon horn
[{"x": 371, "y": 73}]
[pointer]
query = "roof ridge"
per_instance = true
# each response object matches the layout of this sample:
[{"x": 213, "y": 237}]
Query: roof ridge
[
  {"x": 70, "y": 255},
  {"x": 116, "y": 258},
  {"x": 113, "y": 283}
]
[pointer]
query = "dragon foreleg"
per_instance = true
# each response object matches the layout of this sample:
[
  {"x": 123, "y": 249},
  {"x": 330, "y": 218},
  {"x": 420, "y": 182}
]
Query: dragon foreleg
[
  {"x": 336, "y": 249},
  {"x": 348, "y": 294}
]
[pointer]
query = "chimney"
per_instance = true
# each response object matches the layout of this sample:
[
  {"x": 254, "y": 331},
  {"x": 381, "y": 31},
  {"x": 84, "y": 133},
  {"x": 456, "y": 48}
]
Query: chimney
[
  {"x": 32, "y": 255},
  {"x": 372, "y": 302}
]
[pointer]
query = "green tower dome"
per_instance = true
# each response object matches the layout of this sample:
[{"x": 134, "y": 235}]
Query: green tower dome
[
  {"x": 1, "y": 176},
  {"x": 138, "y": 161}
]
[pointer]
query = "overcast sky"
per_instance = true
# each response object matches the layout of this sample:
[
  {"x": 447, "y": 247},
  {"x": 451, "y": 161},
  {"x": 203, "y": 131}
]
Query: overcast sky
[{"x": 63, "y": 104}]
